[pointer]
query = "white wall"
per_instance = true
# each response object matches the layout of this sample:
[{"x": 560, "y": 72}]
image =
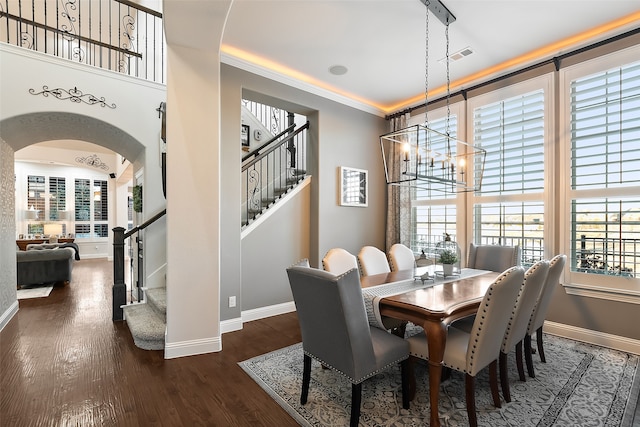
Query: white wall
[
  {"x": 193, "y": 176},
  {"x": 131, "y": 129}
]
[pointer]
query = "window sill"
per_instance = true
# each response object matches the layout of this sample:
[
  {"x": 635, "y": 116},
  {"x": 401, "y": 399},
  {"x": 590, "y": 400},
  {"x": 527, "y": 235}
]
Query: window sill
[{"x": 611, "y": 294}]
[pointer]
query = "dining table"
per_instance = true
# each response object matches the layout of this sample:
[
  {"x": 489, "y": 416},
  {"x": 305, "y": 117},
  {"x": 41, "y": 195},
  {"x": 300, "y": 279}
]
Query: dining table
[{"x": 427, "y": 298}]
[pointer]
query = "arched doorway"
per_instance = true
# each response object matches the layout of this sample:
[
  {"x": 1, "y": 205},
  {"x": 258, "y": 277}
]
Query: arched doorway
[{"x": 60, "y": 128}]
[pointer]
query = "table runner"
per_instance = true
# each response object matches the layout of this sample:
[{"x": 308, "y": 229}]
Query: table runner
[{"x": 372, "y": 295}]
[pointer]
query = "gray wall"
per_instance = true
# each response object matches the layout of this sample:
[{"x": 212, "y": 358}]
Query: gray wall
[
  {"x": 339, "y": 136},
  {"x": 276, "y": 244},
  {"x": 609, "y": 317}
]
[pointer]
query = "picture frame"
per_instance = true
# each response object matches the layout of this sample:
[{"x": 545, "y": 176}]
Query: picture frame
[
  {"x": 244, "y": 135},
  {"x": 354, "y": 187}
]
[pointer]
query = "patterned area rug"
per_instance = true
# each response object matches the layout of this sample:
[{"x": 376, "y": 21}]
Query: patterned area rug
[{"x": 580, "y": 385}]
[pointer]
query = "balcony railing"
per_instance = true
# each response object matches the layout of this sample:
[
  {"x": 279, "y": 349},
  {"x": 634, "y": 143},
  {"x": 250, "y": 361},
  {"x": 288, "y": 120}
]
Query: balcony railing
[
  {"x": 613, "y": 257},
  {"x": 117, "y": 35}
]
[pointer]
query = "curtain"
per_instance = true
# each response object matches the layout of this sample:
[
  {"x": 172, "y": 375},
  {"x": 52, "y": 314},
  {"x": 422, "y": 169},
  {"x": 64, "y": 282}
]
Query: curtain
[{"x": 398, "y": 229}]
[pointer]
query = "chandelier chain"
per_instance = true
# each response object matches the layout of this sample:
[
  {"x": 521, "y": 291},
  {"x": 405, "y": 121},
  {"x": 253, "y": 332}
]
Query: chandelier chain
[
  {"x": 426, "y": 66},
  {"x": 448, "y": 60}
]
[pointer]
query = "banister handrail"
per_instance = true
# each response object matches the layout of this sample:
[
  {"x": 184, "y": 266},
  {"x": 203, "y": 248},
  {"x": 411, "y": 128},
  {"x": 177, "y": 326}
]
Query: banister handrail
[
  {"x": 119, "y": 287},
  {"x": 275, "y": 147},
  {"x": 145, "y": 224},
  {"x": 271, "y": 141}
]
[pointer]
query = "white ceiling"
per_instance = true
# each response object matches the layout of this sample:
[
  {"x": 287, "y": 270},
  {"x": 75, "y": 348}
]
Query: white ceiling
[{"x": 382, "y": 42}]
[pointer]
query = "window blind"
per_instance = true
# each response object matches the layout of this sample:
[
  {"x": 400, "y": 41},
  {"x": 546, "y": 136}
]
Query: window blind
[
  {"x": 605, "y": 172},
  {"x": 57, "y": 197},
  {"x": 512, "y": 132},
  {"x": 605, "y": 129},
  {"x": 35, "y": 195},
  {"x": 82, "y": 200}
]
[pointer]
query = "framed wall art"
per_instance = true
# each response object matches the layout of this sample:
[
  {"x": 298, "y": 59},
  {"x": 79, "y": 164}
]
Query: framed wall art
[
  {"x": 244, "y": 135},
  {"x": 354, "y": 187}
]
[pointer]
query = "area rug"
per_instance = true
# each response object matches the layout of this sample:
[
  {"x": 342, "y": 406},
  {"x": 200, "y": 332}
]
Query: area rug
[
  {"x": 37, "y": 292},
  {"x": 580, "y": 385}
]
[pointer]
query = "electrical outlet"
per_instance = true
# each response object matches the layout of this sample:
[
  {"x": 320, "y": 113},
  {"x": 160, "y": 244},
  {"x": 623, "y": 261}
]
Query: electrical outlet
[{"x": 232, "y": 301}]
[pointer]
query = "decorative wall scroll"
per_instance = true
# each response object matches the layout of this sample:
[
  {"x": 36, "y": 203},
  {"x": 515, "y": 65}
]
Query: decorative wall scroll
[
  {"x": 74, "y": 95},
  {"x": 93, "y": 160}
]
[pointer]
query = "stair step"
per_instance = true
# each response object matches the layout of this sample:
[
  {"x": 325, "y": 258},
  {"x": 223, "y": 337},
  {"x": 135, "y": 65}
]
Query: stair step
[
  {"x": 146, "y": 326},
  {"x": 157, "y": 299}
]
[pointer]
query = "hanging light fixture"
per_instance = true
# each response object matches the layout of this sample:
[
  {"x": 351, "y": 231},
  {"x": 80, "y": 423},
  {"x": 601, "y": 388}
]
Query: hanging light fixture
[{"x": 419, "y": 156}]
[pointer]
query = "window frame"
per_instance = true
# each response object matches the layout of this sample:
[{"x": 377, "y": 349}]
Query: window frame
[
  {"x": 458, "y": 110},
  {"x": 546, "y": 83},
  {"x": 622, "y": 289}
]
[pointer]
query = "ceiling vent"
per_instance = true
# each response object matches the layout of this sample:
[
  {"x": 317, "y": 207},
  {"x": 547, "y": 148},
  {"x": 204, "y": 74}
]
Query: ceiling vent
[{"x": 456, "y": 56}]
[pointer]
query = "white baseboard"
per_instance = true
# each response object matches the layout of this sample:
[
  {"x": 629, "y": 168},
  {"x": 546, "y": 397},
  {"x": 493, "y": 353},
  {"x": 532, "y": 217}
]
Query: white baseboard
[
  {"x": 256, "y": 314},
  {"x": 615, "y": 342},
  {"x": 264, "y": 312},
  {"x": 8, "y": 314},
  {"x": 192, "y": 348},
  {"x": 231, "y": 325}
]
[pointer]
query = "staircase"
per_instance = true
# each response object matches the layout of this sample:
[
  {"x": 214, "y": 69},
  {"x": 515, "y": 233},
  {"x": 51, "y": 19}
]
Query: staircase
[
  {"x": 147, "y": 321},
  {"x": 272, "y": 170}
]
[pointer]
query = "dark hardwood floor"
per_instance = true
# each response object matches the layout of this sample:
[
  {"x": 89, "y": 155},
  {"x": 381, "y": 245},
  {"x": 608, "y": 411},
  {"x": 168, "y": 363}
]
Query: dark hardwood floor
[{"x": 65, "y": 363}]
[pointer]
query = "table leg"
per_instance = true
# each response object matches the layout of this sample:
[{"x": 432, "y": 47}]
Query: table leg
[{"x": 437, "y": 337}]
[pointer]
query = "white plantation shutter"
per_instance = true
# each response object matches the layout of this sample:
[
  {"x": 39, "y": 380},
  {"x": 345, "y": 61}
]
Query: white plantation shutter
[
  {"x": 57, "y": 197},
  {"x": 512, "y": 132},
  {"x": 509, "y": 208},
  {"x": 605, "y": 172},
  {"x": 605, "y": 129}
]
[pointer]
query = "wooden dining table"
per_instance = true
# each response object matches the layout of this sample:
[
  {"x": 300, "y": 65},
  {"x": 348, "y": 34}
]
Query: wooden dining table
[{"x": 434, "y": 308}]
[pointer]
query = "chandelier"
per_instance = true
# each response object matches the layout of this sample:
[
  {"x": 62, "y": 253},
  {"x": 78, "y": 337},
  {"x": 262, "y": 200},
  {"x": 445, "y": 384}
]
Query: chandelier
[{"x": 422, "y": 157}]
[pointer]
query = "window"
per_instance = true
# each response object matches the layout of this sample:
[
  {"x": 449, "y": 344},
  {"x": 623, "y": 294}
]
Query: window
[
  {"x": 92, "y": 208},
  {"x": 57, "y": 197},
  {"x": 35, "y": 197},
  {"x": 603, "y": 185},
  {"x": 83, "y": 200},
  {"x": 434, "y": 209},
  {"x": 100, "y": 208},
  {"x": 129, "y": 212},
  {"x": 509, "y": 209}
]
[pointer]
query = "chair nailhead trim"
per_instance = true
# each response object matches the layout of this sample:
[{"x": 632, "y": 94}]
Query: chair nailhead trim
[{"x": 353, "y": 381}]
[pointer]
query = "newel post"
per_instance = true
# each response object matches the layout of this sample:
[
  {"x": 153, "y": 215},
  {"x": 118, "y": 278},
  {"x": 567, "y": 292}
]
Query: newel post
[{"x": 119, "y": 291}]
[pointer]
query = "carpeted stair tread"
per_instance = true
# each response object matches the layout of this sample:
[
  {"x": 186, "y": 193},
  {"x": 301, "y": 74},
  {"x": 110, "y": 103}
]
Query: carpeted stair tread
[
  {"x": 146, "y": 326},
  {"x": 157, "y": 299}
]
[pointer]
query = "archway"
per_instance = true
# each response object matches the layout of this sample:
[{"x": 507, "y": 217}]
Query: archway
[{"x": 25, "y": 130}]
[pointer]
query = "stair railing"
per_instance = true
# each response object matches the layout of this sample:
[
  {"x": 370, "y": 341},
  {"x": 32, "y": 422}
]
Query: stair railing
[
  {"x": 119, "y": 290},
  {"x": 272, "y": 170},
  {"x": 118, "y": 35}
]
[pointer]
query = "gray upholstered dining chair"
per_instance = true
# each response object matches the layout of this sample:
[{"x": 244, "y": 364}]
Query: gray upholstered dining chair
[
  {"x": 338, "y": 261},
  {"x": 534, "y": 279},
  {"x": 493, "y": 257},
  {"x": 372, "y": 261},
  {"x": 401, "y": 257},
  {"x": 556, "y": 266},
  {"x": 470, "y": 352},
  {"x": 336, "y": 332}
]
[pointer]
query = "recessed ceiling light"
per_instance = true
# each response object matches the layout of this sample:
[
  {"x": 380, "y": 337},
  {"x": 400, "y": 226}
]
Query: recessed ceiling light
[{"x": 338, "y": 70}]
